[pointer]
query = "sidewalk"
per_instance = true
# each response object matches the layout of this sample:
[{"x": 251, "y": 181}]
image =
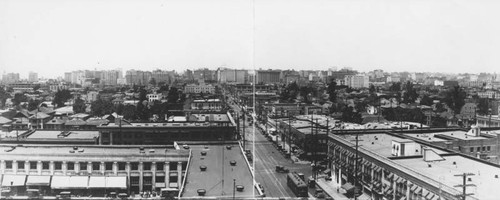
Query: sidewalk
[{"x": 330, "y": 188}]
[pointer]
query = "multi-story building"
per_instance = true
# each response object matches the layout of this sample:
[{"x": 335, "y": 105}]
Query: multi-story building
[
  {"x": 489, "y": 94},
  {"x": 163, "y": 76},
  {"x": 10, "y": 78},
  {"x": 480, "y": 144},
  {"x": 67, "y": 77},
  {"x": 154, "y": 97},
  {"x": 357, "y": 81},
  {"x": 33, "y": 77},
  {"x": 136, "y": 77},
  {"x": 110, "y": 77},
  {"x": 204, "y": 75},
  {"x": 268, "y": 76},
  {"x": 91, "y": 170},
  {"x": 226, "y": 75},
  {"x": 206, "y": 104},
  {"x": 389, "y": 166},
  {"x": 199, "y": 88}
]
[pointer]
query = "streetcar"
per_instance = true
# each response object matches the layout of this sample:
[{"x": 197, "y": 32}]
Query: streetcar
[{"x": 297, "y": 184}]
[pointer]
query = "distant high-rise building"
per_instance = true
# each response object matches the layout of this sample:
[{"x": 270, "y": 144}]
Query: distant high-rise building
[
  {"x": 10, "y": 77},
  {"x": 357, "y": 81},
  {"x": 33, "y": 77},
  {"x": 163, "y": 76},
  {"x": 67, "y": 77},
  {"x": 135, "y": 77},
  {"x": 226, "y": 75},
  {"x": 268, "y": 76},
  {"x": 109, "y": 77},
  {"x": 204, "y": 74}
]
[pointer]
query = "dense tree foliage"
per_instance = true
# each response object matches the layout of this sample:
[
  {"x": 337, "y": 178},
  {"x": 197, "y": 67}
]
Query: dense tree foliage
[
  {"x": 410, "y": 93},
  {"x": 18, "y": 98},
  {"x": 79, "y": 105},
  {"x": 4, "y": 95},
  {"x": 455, "y": 99},
  {"x": 101, "y": 107},
  {"x": 426, "y": 100},
  {"x": 349, "y": 115},
  {"x": 33, "y": 104},
  {"x": 61, "y": 97},
  {"x": 331, "y": 90},
  {"x": 129, "y": 112},
  {"x": 173, "y": 95}
]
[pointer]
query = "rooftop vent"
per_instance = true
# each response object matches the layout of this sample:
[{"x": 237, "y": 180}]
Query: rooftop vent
[
  {"x": 75, "y": 148},
  {"x": 454, "y": 163},
  {"x": 429, "y": 165},
  {"x": 240, "y": 188},
  {"x": 469, "y": 179},
  {"x": 81, "y": 150},
  {"x": 151, "y": 151},
  {"x": 232, "y": 162},
  {"x": 203, "y": 153},
  {"x": 229, "y": 147},
  {"x": 201, "y": 192},
  {"x": 496, "y": 175},
  {"x": 203, "y": 168},
  {"x": 71, "y": 151}
]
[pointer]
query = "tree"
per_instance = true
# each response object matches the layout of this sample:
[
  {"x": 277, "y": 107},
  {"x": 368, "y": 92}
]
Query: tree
[
  {"x": 426, "y": 100},
  {"x": 61, "y": 97},
  {"x": 372, "y": 89},
  {"x": 18, "y": 98},
  {"x": 101, "y": 107},
  {"x": 173, "y": 95},
  {"x": 152, "y": 81},
  {"x": 410, "y": 94},
  {"x": 4, "y": 95},
  {"x": 348, "y": 115},
  {"x": 305, "y": 91},
  {"x": 36, "y": 87},
  {"x": 129, "y": 112},
  {"x": 455, "y": 99},
  {"x": 332, "y": 94},
  {"x": 142, "y": 111},
  {"x": 482, "y": 106},
  {"x": 79, "y": 106},
  {"x": 33, "y": 104},
  {"x": 119, "y": 109}
]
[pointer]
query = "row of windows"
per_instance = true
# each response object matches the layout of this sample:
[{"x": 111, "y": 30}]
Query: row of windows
[
  {"x": 479, "y": 149},
  {"x": 95, "y": 165}
]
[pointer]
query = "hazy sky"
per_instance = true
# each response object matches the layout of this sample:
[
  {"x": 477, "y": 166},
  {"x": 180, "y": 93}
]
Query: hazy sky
[{"x": 54, "y": 36}]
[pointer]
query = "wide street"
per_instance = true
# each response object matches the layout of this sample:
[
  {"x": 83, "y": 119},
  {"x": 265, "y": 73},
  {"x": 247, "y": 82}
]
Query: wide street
[{"x": 266, "y": 157}]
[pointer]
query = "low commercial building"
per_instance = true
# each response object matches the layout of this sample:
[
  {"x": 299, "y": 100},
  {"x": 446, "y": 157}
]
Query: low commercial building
[
  {"x": 92, "y": 170},
  {"x": 388, "y": 166},
  {"x": 193, "y": 127},
  {"x": 35, "y": 136},
  {"x": 206, "y": 104}
]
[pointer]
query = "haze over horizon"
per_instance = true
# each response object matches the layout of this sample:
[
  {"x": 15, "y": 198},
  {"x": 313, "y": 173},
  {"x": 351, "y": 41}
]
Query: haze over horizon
[{"x": 54, "y": 36}]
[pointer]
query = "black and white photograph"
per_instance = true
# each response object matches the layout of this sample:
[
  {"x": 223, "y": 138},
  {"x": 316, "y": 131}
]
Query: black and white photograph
[{"x": 250, "y": 99}]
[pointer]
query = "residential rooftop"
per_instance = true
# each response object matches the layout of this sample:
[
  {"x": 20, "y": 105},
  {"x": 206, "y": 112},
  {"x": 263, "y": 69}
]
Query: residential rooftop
[{"x": 42, "y": 134}]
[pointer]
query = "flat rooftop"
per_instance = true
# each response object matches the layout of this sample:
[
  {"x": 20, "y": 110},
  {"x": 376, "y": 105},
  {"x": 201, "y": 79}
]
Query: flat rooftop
[
  {"x": 64, "y": 134},
  {"x": 460, "y": 135},
  {"x": 217, "y": 160},
  {"x": 380, "y": 143},
  {"x": 92, "y": 153},
  {"x": 487, "y": 186}
]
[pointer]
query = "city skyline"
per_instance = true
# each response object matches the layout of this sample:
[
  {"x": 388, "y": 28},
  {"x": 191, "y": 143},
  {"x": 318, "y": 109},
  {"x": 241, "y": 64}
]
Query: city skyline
[{"x": 445, "y": 36}]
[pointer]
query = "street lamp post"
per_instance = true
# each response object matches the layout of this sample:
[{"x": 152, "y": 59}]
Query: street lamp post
[{"x": 489, "y": 122}]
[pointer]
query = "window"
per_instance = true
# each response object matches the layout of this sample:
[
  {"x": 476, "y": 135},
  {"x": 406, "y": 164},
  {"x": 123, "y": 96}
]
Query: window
[
  {"x": 488, "y": 148},
  {"x": 45, "y": 165},
  {"x": 160, "y": 179},
  {"x": 33, "y": 165},
  {"x": 109, "y": 166},
  {"x": 147, "y": 166},
  {"x": 159, "y": 166},
  {"x": 58, "y": 166},
  {"x": 478, "y": 149},
  {"x": 96, "y": 166},
  {"x": 134, "y": 166},
  {"x": 83, "y": 166},
  {"x": 20, "y": 164},
  {"x": 121, "y": 166},
  {"x": 472, "y": 149},
  {"x": 484, "y": 148},
  {"x": 8, "y": 164},
  {"x": 173, "y": 165},
  {"x": 71, "y": 166}
]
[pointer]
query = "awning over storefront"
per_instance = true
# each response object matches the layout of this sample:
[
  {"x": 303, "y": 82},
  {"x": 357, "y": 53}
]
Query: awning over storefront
[
  {"x": 69, "y": 182},
  {"x": 13, "y": 180},
  {"x": 38, "y": 180},
  {"x": 116, "y": 182},
  {"x": 97, "y": 182}
]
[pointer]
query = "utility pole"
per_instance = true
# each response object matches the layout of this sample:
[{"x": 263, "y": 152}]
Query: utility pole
[
  {"x": 289, "y": 135},
  {"x": 464, "y": 185},
  {"x": 234, "y": 188},
  {"x": 244, "y": 134}
]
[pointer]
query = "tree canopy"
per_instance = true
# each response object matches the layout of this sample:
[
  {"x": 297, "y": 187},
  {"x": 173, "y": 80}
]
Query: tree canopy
[
  {"x": 101, "y": 107},
  {"x": 61, "y": 97},
  {"x": 455, "y": 99},
  {"x": 79, "y": 106}
]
